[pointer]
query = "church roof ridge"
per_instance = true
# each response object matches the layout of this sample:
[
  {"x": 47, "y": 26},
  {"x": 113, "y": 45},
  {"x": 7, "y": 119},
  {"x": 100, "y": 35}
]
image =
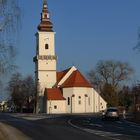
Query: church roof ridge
[
  {"x": 76, "y": 79},
  {"x": 61, "y": 74}
]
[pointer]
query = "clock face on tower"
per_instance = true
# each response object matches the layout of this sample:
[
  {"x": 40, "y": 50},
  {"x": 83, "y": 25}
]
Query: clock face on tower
[{"x": 46, "y": 39}]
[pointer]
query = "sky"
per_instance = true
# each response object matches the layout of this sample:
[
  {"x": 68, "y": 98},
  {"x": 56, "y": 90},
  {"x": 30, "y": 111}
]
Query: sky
[{"x": 86, "y": 31}]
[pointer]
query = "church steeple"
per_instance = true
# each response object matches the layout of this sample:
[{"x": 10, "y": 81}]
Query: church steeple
[{"x": 45, "y": 24}]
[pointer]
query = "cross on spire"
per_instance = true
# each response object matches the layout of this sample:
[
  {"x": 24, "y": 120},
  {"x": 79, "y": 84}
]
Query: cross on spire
[
  {"x": 45, "y": 8},
  {"x": 45, "y": 2}
]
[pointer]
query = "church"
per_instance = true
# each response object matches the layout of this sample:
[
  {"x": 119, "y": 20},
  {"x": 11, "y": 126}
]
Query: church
[{"x": 66, "y": 91}]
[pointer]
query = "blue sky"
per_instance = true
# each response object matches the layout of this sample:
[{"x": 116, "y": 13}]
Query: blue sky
[{"x": 86, "y": 31}]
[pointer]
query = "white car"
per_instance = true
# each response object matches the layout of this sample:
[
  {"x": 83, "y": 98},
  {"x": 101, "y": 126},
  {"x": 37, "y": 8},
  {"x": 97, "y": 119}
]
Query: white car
[{"x": 110, "y": 113}]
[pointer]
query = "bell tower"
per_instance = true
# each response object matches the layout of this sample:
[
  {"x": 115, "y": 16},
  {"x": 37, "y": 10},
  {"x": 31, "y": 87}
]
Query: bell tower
[{"x": 45, "y": 59}]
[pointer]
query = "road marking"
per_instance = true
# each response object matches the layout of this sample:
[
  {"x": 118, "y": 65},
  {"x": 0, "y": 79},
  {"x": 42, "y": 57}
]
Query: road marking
[
  {"x": 135, "y": 131},
  {"x": 97, "y": 125},
  {"x": 119, "y": 127},
  {"x": 119, "y": 122},
  {"x": 135, "y": 126},
  {"x": 109, "y": 135},
  {"x": 132, "y": 123},
  {"x": 69, "y": 122},
  {"x": 102, "y": 132}
]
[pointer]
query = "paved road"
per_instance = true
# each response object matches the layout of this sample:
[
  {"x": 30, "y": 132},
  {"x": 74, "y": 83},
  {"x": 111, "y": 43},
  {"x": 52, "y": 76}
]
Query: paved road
[
  {"x": 115, "y": 130},
  {"x": 65, "y": 127},
  {"x": 12, "y": 128}
]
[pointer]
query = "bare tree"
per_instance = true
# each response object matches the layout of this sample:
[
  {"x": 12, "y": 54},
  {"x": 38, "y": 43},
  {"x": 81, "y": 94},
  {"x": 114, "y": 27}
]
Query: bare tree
[
  {"x": 29, "y": 91},
  {"x": 22, "y": 91},
  {"x": 15, "y": 90},
  {"x": 10, "y": 14},
  {"x": 136, "y": 96},
  {"x": 137, "y": 47},
  {"x": 108, "y": 76},
  {"x": 110, "y": 72},
  {"x": 125, "y": 97}
]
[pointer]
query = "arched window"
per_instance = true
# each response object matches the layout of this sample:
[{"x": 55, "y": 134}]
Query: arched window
[
  {"x": 45, "y": 15},
  {"x": 79, "y": 97},
  {"x": 79, "y": 102},
  {"x": 46, "y": 46},
  {"x": 55, "y": 107},
  {"x": 68, "y": 100}
]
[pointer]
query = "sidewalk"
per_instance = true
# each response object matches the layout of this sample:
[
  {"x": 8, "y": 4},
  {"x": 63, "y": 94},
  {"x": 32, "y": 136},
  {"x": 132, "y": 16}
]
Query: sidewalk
[{"x": 30, "y": 116}]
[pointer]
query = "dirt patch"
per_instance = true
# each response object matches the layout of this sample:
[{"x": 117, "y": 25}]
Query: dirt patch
[{"x": 8, "y": 132}]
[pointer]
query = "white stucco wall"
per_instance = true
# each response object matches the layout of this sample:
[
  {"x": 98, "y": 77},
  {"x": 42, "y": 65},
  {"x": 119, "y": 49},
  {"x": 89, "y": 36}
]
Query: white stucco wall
[
  {"x": 46, "y": 60},
  {"x": 92, "y": 102},
  {"x": 103, "y": 104},
  {"x": 46, "y": 79},
  {"x": 98, "y": 102},
  {"x": 47, "y": 64},
  {"x": 59, "y": 104},
  {"x": 82, "y": 100},
  {"x": 46, "y": 38}
]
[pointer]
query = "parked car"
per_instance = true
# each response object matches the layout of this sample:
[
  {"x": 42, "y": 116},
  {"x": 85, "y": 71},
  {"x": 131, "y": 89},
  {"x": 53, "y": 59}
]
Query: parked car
[{"x": 110, "y": 113}]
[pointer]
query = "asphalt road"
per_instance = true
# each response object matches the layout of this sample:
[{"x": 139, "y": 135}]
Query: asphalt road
[
  {"x": 66, "y": 128},
  {"x": 111, "y": 129}
]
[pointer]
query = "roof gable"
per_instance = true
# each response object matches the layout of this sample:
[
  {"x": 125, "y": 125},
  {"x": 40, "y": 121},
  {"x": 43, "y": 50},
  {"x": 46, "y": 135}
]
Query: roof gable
[
  {"x": 64, "y": 75},
  {"x": 61, "y": 74},
  {"x": 76, "y": 79}
]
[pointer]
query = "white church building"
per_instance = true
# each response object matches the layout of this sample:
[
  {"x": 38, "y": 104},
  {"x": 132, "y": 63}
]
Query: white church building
[{"x": 66, "y": 91}]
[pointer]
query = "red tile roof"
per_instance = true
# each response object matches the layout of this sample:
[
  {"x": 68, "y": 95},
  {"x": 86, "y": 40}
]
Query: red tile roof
[
  {"x": 61, "y": 74},
  {"x": 54, "y": 94},
  {"x": 76, "y": 79}
]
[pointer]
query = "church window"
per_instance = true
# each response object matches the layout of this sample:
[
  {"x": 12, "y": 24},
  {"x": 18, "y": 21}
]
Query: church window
[
  {"x": 45, "y": 15},
  {"x": 55, "y": 107},
  {"x": 68, "y": 100},
  {"x": 79, "y": 102},
  {"x": 46, "y": 46}
]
